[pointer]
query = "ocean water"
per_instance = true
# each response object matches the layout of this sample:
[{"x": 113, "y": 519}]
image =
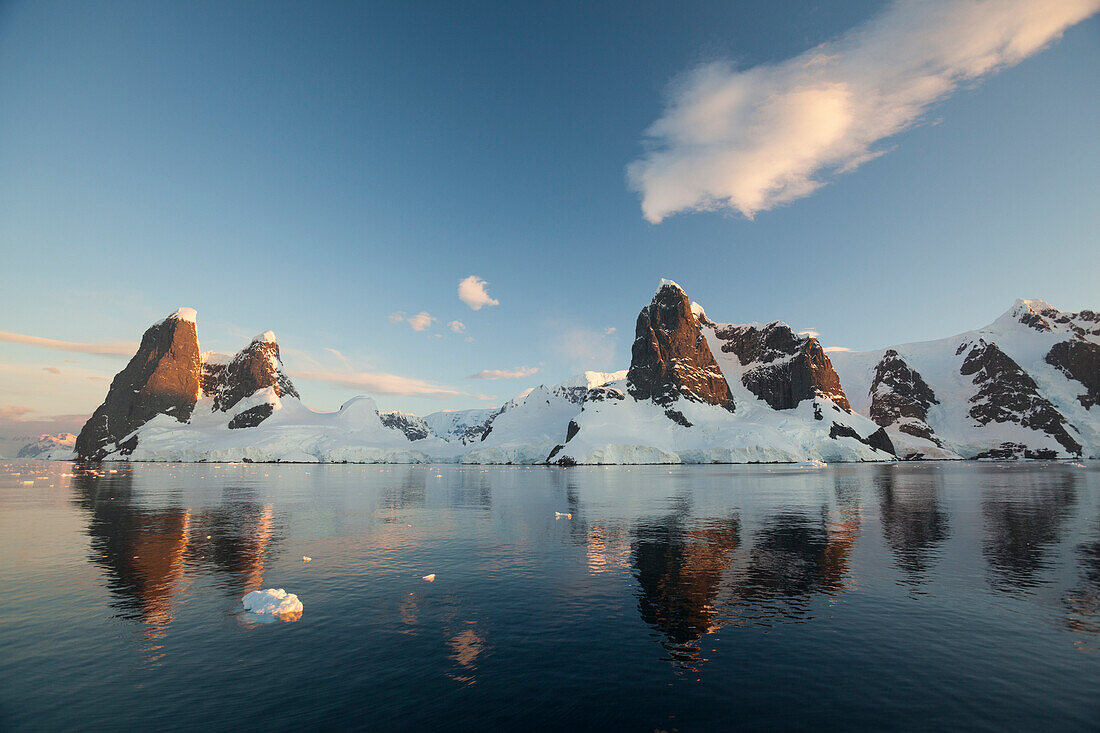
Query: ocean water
[{"x": 856, "y": 597}]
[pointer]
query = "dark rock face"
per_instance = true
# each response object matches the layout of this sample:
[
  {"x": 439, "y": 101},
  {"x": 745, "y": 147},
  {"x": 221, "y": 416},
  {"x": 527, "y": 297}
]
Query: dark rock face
[
  {"x": 670, "y": 358},
  {"x": 1045, "y": 319},
  {"x": 251, "y": 417},
  {"x": 255, "y": 367},
  {"x": 1008, "y": 394},
  {"x": 412, "y": 426},
  {"x": 161, "y": 379},
  {"x": 878, "y": 439},
  {"x": 900, "y": 395},
  {"x": 1079, "y": 360},
  {"x": 781, "y": 367}
]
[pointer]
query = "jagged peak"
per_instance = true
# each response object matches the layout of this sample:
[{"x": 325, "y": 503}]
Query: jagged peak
[
  {"x": 267, "y": 337},
  {"x": 672, "y": 284},
  {"x": 188, "y": 315}
]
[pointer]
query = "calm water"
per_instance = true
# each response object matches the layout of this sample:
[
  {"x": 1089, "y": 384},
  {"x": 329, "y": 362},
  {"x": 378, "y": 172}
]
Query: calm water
[{"x": 864, "y": 597}]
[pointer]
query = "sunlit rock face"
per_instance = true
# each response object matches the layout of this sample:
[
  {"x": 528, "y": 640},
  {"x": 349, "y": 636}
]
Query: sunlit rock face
[
  {"x": 1008, "y": 394},
  {"x": 900, "y": 398},
  {"x": 781, "y": 367},
  {"x": 255, "y": 367},
  {"x": 670, "y": 358},
  {"x": 163, "y": 378}
]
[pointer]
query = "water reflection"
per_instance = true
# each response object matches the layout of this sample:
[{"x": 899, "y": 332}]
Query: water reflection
[
  {"x": 679, "y": 567},
  {"x": 1083, "y": 601},
  {"x": 914, "y": 522},
  {"x": 147, "y": 551},
  {"x": 1024, "y": 519}
]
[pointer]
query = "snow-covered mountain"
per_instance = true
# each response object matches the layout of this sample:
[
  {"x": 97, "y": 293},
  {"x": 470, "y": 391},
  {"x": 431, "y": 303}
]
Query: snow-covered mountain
[
  {"x": 1025, "y": 386},
  {"x": 697, "y": 390}
]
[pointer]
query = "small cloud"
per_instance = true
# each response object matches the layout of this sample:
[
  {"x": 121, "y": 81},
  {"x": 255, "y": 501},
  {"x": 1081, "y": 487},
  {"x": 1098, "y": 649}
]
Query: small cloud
[
  {"x": 609, "y": 331},
  {"x": 121, "y": 348},
  {"x": 586, "y": 348},
  {"x": 486, "y": 397},
  {"x": 420, "y": 321},
  {"x": 457, "y": 326},
  {"x": 471, "y": 291},
  {"x": 51, "y": 370},
  {"x": 343, "y": 359},
  {"x": 838, "y": 349},
  {"x": 379, "y": 383},
  {"x": 810, "y": 332},
  {"x": 469, "y": 339},
  {"x": 437, "y": 335},
  {"x": 517, "y": 373},
  {"x": 397, "y": 317},
  {"x": 13, "y": 412}
]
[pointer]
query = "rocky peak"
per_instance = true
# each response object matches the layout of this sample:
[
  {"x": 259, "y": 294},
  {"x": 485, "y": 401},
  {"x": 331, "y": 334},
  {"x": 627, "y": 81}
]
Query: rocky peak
[
  {"x": 162, "y": 378},
  {"x": 900, "y": 396},
  {"x": 1042, "y": 316},
  {"x": 1006, "y": 393},
  {"x": 670, "y": 358},
  {"x": 412, "y": 426},
  {"x": 255, "y": 367},
  {"x": 781, "y": 367}
]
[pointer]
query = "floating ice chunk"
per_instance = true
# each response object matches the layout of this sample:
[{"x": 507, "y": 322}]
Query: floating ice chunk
[
  {"x": 559, "y": 515},
  {"x": 430, "y": 578},
  {"x": 811, "y": 464},
  {"x": 272, "y": 602},
  {"x": 307, "y": 558}
]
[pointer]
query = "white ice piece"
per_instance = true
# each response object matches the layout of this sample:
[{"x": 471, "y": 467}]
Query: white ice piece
[{"x": 272, "y": 602}]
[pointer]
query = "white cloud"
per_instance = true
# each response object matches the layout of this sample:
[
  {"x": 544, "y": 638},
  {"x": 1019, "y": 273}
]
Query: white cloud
[
  {"x": 751, "y": 139},
  {"x": 457, "y": 326},
  {"x": 471, "y": 291},
  {"x": 609, "y": 331},
  {"x": 379, "y": 383},
  {"x": 810, "y": 332},
  {"x": 830, "y": 349},
  {"x": 419, "y": 322},
  {"x": 122, "y": 348},
  {"x": 517, "y": 373}
]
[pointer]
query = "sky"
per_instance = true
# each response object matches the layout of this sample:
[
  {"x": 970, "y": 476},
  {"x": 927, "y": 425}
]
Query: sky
[{"x": 442, "y": 204}]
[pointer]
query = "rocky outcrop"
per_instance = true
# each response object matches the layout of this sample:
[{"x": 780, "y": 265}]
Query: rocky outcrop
[
  {"x": 1079, "y": 360},
  {"x": 781, "y": 367},
  {"x": 670, "y": 359},
  {"x": 1006, "y": 393},
  {"x": 1041, "y": 316},
  {"x": 163, "y": 378},
  {"x": 412, "y": 426},
  {"x": 900, "y": 398},
  {"x": 255, "y": 367}
]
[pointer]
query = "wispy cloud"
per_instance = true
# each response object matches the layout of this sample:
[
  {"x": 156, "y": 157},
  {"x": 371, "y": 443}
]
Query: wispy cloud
[
  {"x": 584, "y": 347},
  {"x": 839, "y": 349},
  {"x": 609, "y": 331},
  {"x": 10, "y": 413},
  {"x": 517, "y": 373},
  {"x": 419, "y": 322},
  {"x": 472, "y": 292},
  {"x": 51, "y": 370},
  {"x": 457, "y": 326},
  {"x": 120, "y": 348},
  {"x": 751, "y": 139},
  {"x": 379, "y": 383},
  {"x": 809, "y": 332}
]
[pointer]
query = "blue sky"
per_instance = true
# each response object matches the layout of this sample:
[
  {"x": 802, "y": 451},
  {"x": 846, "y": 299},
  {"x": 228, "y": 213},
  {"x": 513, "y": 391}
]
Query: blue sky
[{"x": 316, "y": 168}]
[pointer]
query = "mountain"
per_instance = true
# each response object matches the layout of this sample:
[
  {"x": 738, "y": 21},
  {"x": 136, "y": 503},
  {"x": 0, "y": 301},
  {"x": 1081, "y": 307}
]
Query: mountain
[
  {"x": 697, "y": 391},
  {"x": 49, "y": 448},
  {"x": 163, "y": 378},
  {"x": 1025, "y": 386},
  {"x": 703, "y": 392}
]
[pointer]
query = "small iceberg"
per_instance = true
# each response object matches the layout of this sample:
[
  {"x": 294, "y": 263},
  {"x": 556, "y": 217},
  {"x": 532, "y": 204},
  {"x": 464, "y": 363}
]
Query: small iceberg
[
  {"x": 307, "y": 558},
  {"x": 430, "y": 578},
  {"x": 273, "y": 602},
  {"x": 566, "y": 515}
]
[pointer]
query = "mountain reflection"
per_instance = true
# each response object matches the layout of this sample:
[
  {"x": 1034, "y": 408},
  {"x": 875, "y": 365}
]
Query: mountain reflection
[
  {"x": 679, "y": 568},
  {"x": 1083, "y": 601},
  {"x": 148, "y": 551},
  {"x": 1023, "y": 522},
  {"x": 914, "y": 523},
  {"x": 696, "y": 576}
]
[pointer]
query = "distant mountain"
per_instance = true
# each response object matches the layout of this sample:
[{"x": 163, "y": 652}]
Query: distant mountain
[
  {"x": 697, "y": 391},
  {"x": 1025, "y": 386}
]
